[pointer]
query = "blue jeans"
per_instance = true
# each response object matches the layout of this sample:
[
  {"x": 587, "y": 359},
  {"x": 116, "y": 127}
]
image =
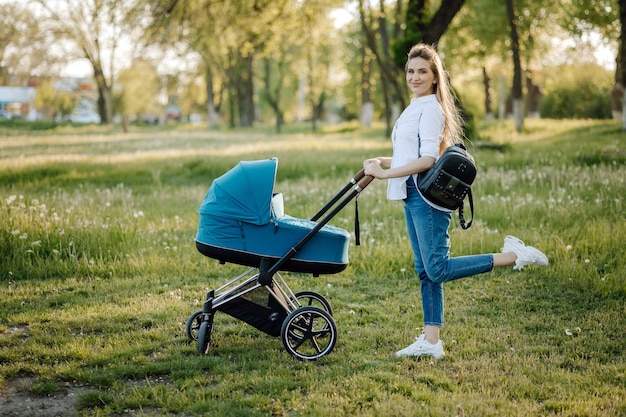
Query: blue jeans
[{"x": 428, "y": 233}]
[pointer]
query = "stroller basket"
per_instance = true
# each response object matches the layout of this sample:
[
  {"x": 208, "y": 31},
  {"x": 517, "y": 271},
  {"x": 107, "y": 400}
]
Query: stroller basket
[{"x": 242, "y": 222}]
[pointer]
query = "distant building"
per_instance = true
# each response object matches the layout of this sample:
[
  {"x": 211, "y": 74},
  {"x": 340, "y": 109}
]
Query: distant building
[
  {"x": 18, "y": 102},
  {"x": 172, "y": 111},
  {"x": 86, "y": 103},
  {"x": 85, "y": 112}
]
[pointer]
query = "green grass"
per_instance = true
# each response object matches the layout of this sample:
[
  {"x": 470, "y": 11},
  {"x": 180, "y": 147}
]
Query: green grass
[{"x": 99, "y": 274}]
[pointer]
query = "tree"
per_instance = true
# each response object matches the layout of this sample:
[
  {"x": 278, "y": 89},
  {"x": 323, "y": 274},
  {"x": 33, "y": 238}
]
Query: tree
[
  {"x": 605, "y": 18},
  {"x": 517, "y": 67},
  {"x": 228, "y": 36},
  {"x": 24, "y": 49},
  {"x": 140, "y": 85},
  {"x": 376, "y": 26},
  {"x": 95, "y": 29},
  {"x": 422, "y": 25},
  {"x": 478, "y": 39},
  {"x": 419, "y": 22},
  {"x": 53, "y": 103}
]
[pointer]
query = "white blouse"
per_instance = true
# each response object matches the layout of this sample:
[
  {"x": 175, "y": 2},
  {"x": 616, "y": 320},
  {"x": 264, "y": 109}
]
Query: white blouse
[{"x": 423, "y": 116}]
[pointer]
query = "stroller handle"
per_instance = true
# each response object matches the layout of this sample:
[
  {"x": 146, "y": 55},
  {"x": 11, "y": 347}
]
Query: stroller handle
[
  {"x": 364, "y": 181},
  {"x": 357, "y": 177},
  {"x": 359, "y": 182}
]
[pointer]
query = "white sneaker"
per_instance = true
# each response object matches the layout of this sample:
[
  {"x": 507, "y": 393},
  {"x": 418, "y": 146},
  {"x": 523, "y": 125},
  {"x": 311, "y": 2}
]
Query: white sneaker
[
  {"x": 421, "y": 347},
  {"x": 526, "y": 255}
]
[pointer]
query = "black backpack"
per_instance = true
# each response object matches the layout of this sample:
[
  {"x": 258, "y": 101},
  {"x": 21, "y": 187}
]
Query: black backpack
[{"x": 449, "y": 181}]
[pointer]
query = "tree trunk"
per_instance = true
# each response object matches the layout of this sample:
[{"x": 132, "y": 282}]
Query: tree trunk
[
  {"x": 393, "y": 90},
  {"x": 441, "y": 20},
  {"x": 502, "y": 99},
  {"x": 245, "y": 92},
  {"x": 105, "y": 97},
  {"x": 212, "y": 115},
  {"x": 622, "y": 55},
  {"x": 367, "y": 107},
  {"x": 517, "y": 68},
  {"x": 232, "y": 97},
  {"x": 300, "y": 113},
  {"x": 533, "y": 97},
  {"x": 487, "y": 89}
]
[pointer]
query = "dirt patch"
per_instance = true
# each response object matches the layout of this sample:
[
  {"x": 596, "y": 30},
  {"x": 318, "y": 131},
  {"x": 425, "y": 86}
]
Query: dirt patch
[{"x": 16, "y": 400}]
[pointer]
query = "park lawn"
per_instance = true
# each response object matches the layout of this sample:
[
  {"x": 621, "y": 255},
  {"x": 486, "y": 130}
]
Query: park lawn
[{"x": 99, "y": 274}]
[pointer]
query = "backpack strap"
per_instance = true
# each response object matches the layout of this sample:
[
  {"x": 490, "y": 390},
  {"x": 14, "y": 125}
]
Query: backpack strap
[
  {"x": 357, "y": 227},
  {"x": 461, "y": 217}
]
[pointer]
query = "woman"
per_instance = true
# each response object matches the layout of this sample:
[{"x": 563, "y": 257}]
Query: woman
[{"x": 433, "y": 116}]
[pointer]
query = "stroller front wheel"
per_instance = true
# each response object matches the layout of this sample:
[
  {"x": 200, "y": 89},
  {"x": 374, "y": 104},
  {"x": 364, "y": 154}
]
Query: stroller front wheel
[
  {"x": 309, "y": 333},
  {"x": 204, "y": 335}
]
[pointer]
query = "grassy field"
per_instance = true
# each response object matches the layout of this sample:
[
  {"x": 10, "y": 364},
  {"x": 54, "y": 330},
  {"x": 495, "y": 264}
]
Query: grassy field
[{"x": 99, "y": 274}]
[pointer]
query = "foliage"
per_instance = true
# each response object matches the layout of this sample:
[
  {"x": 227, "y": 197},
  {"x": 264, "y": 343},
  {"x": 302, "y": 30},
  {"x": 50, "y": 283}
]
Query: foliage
[
  {"x": 99, "y": 275},
  {"x": 584, "y": 92},
  {"x": 24, "y": 48},
  {"x": 53, "y": 103},
  {"x": 139, "y": 85}
]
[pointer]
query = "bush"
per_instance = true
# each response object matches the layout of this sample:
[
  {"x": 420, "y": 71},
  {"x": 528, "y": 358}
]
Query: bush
[{"x": 578, "y": 94}]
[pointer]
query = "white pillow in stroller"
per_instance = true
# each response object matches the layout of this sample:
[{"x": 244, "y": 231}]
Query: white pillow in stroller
[{"x": 277, "y": 207}]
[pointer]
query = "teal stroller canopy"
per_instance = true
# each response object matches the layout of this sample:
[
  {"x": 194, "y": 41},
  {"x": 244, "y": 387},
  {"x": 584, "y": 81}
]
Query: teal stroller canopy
[{"x": 243, "y": 193}]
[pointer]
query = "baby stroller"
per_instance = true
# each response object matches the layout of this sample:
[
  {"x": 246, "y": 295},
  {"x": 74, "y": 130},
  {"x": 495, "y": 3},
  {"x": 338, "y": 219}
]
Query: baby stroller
[{"x": 242, "y": 222}]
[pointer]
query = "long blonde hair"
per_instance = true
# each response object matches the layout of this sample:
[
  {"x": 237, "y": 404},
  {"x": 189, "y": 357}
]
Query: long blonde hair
[{"x": 453, "y": 123}]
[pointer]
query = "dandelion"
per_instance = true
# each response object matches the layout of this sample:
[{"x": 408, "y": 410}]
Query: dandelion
[
  {"x": 587, "y": 261},
  {"x": 568, "y": 248}
]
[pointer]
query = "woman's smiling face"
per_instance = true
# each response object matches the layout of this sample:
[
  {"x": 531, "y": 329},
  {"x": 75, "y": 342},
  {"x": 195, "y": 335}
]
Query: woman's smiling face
[{"x": 419, "y": 77}]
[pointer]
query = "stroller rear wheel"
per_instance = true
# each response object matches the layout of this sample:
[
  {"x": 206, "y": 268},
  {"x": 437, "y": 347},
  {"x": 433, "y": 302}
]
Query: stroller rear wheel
[
  {"x": 204, "y": 335},
  {"x": 193, "y": 325},
  {"x": 312, "y": 298},
  {"x": 309, "y": 333}
]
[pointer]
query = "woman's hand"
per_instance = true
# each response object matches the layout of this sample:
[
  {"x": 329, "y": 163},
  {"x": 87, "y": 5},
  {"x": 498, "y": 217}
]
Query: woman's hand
[
  {"x": 370, "y": 160},
  {"x": 372, "y": 167}
]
